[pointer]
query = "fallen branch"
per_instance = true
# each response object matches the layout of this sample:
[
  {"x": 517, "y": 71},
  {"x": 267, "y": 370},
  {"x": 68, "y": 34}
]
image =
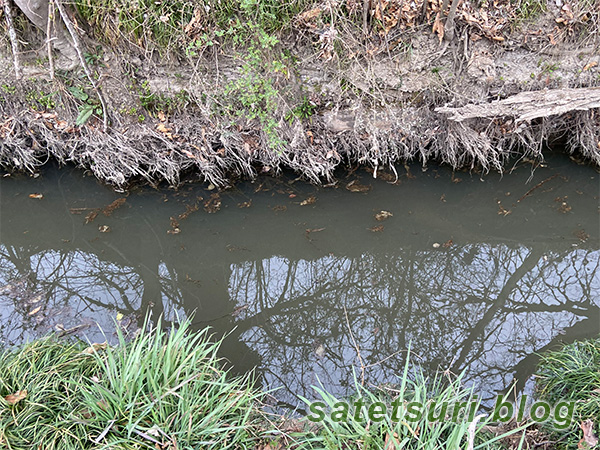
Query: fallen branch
[
  {"x": 527, "y": 106},
  {"x": 540, "y": 184},
  {"x": 49, "y": 37},
  {"x": 76, "y": 43},
  {"x": 357, "y": 348},
  {"x": 13, "y": 37}
]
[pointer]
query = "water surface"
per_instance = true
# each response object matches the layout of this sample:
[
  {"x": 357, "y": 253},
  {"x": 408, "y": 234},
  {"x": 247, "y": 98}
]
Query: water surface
[{"x": 475, "y": 272}]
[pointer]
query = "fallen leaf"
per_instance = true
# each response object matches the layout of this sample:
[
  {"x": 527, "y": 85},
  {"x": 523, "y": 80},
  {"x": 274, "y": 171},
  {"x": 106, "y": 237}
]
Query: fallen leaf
[
  {"x": 13, "y": 399},
  {"x": 36, "y": 299},
  {"x": 213, "y": 204},
  {"x": 391, "y": 442},
  {"x": 247, "y": 204},
  {"x": 355, "y": 186},
  {"x": 104, "y": 229},
  {"x": 438, "y": 27},
  {"x": 383, "y": 215},
  {"x": 94, "y": 348},
  {"x": 590, "y": 65},
  {"x": 36, "y": 196},
  {"x": 102, "y": 404},
  {"x": 448, "y": 243},
  {"x": 376, "y": 229},
  {"x": 108, "y": 210},
  {"x": 589, "y": 439},
  {"x": 91, "y": 216},
  {"x": 239, "y": 309},
  {"x": 320, "y": 351},
  {"x": 35, "y": 311},
  {"x": 162, "y": 128},
  {"x": 309, "y": 201}
]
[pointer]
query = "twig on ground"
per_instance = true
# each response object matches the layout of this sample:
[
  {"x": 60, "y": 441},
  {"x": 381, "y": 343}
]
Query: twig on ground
[
  {"x": 449, "y": 25},
  {"x": 76, "y": 43},
  {"x": 366, "y": 10},
  {"x": 49, "y": 37},
  {"x": 8, "y": 15},
  {"x": 471, "y": 431}
]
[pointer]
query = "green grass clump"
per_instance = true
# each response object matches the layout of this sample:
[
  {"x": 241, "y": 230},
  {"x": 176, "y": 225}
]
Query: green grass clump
[
  {"x": 573, "y": 374},
  {"x": 162, "y": 388},
  {"x": 49, "y": 371},
  {"x": 529, "y": 9},
  {"x": 414, "y": 434}
]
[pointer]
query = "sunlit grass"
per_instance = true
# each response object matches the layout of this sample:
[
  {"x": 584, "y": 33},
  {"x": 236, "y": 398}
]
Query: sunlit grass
[
  {"x": 573, "y": 374},
  {"x": 403, "y": 434},
  {"x": 162, "y": 388}
]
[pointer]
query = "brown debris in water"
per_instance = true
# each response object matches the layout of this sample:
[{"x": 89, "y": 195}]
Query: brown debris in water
[
  {"x": 108, "y": 210},
  {"x": 213, "y": 204}
]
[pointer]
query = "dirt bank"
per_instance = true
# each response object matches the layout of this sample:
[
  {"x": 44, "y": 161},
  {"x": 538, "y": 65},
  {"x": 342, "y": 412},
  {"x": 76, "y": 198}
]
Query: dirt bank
[{"x": 326, "y": 86}]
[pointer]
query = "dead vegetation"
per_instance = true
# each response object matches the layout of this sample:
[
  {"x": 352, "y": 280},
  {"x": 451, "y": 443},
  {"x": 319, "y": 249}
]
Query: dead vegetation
[{"x": 339, "y": 82}]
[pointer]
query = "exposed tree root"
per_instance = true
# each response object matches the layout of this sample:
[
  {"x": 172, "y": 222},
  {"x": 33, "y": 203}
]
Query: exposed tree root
[{"x": 28, "y": 139}]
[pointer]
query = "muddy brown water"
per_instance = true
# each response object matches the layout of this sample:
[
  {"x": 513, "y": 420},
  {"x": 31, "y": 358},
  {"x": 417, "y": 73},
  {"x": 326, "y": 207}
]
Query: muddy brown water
[{"x": 476, "y": 273}]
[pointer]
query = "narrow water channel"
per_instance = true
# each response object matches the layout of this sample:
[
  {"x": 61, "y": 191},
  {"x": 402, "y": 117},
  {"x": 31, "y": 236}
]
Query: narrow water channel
[{"x": 476, "y": 273}]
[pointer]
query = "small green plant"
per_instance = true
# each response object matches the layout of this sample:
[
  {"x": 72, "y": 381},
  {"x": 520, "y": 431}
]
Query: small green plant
[
  {"x": 254, "y": 96},
  {"x": 94, "y": 58},
  {"x": 155, "y": 102},
  {"x": 9, "y": 89},
  {"x": 88, "y": 107},
  {"x": 548, "y": 67},
  {"x": 335, "y": 431},
  {"x": 40, "y": 100},
  {"x": 304, "y": 110},
  {"x": 529, "y": 9},
  {"x": 160, "y": 387},
  {"x": 195, "y": 47},
  {"x": 572, "y": 373}
]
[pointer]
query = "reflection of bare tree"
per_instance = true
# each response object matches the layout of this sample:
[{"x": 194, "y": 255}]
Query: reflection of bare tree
[
  {"x": 481, "y": 307},
  {"x": 74, "y": 288}
]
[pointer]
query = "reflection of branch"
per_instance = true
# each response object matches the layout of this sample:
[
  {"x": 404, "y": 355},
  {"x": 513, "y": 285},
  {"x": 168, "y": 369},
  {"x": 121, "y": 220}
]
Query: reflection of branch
[
  {"x": 359, "y": 356},
  {"x": 586, "y": 327},
  {"x": 528, "y": 264}
]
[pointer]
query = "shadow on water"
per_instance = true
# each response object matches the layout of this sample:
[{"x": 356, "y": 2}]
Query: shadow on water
[{"x": 474, "y": 273}]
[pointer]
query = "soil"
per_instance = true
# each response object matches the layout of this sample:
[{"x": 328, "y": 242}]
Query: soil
[{"x": 375, "y": 108}]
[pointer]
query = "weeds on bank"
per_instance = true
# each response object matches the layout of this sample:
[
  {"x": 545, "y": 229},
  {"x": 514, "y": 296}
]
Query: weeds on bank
[
  {"x": 163, "y": 388},
  {"x": 529, "y": 9},
  {"x": 573, "y": 374},
  {"x": 253, "y": 96},
  {"x": 161, "y": 25}
]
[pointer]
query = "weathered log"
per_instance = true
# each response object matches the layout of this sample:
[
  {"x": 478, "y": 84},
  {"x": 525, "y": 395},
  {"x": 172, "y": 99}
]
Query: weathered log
[
  {"x": 8, "y": 16},
  {"x": 526, "y": 106}
]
